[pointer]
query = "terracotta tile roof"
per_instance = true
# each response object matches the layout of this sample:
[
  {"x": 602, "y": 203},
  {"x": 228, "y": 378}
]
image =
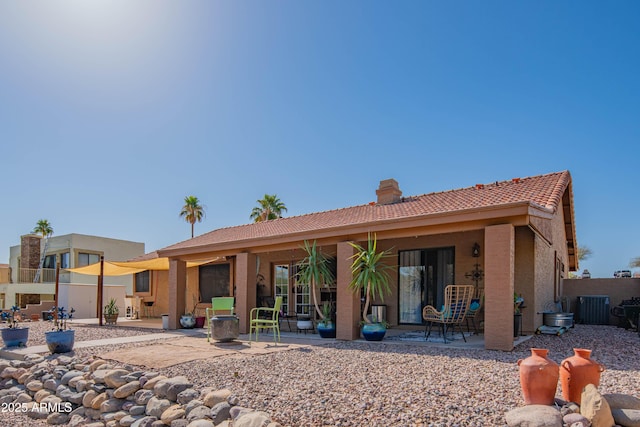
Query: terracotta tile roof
[{"x": 543, "y": 191}]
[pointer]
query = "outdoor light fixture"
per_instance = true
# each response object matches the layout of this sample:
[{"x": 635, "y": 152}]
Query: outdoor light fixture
[{"x": 475, "y": 251}]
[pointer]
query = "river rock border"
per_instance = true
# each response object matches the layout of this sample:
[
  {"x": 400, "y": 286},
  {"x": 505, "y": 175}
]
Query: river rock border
[{"x": 96, "y": 393}]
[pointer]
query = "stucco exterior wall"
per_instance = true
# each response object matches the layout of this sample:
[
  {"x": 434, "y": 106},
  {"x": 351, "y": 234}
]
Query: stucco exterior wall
[{"x": 526, "y": 273}]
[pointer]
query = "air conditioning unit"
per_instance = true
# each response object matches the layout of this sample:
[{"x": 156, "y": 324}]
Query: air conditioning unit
[{"x": 593, "y": 309}]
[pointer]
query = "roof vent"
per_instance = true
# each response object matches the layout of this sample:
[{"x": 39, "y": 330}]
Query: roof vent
[
  {"x": 388, "y": 192},
  {"x": 479, "y": 186},
  {"x": 515, "y": 180}
]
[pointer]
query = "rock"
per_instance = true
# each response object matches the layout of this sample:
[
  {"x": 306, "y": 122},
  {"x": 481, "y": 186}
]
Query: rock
[
  {"x": 238, "y": 411},
  {"x": 88, "y": 398},
  {"x": 80, "y": 384},
  {"x": 151, "y": 383},
  {"x": 575, "y": 420},
  {"x": 259, "y": 419},
  {"x": 93, "y": 366},
  {"x": 111, "y": 405},
  {"x": 70, "y": 375},
  {"x": 161, "y": 388},
  {"x": 187, "y": 396},
  {"x": 24, "y": 398},
  {"x": 192, "y": 404},
  {"x": 77, "y": 421},
  {"x": 127, "y": 389},
  {"x": 97, "y": 401},
  {"x": 76, "y": 398},
  {"x": 137, "y": 410},
  {"x": 177, "y": 388},
  {"x": 41, "y": 394},
  {"x": 595, "y": 407},
  {"x": 626, "y": 417},
  {"x": 201, "y": 423},
  {"x": 180, "y": 422},
  {"x": 220, "y": 412},
  {"x": 172, "y": 413},
  {"x": 526, "y": 416},
  {"x": 143, "y": 396},
  {"x": 34, "y": 385},
  {"x": 155, "y": 406},
  {"x": 214, "y": 397},
  {"x": 144, "y": 422},
  {"x": 622, "y": 401},
  {"x": 114, "y": 378},
  {"x": 128, "y": 420},
  {"x": 57, "y": 418},
  {"x": 199, "y": 412},
  {"x": 51, "y": 384}
]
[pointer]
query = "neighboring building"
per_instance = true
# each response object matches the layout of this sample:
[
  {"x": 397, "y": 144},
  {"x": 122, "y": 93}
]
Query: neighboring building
[
  {"x": 30, "y": 284},
  {"x": 505, "y": 237}
]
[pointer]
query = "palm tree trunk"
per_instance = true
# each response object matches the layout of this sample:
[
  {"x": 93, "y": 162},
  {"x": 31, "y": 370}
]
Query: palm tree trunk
[{"x": 315, "y": 300}]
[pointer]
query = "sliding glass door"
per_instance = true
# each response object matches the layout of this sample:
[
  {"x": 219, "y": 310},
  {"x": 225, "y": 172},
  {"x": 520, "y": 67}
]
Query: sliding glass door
[{"x": 423, "y": 274}]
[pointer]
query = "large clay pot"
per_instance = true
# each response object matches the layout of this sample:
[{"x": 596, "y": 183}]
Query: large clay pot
[
  {"x": 538, "y": 378},
  {"x": 576, "y": 372}
]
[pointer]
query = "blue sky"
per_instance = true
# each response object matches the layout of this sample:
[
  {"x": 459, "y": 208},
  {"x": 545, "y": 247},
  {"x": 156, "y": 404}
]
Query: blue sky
[{"x": 111, "y": 112}]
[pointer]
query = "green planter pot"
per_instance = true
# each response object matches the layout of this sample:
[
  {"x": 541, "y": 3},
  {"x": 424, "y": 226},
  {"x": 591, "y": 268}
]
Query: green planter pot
[
  {"x": 60, "y": 341},
  {"x": 15, "y": 337},
  {"x": 373, "y": 331}
]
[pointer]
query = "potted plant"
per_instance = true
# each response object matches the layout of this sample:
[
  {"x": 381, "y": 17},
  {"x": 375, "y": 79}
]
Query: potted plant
[
  {"x": 111, "y": 312},
  {"x": 315, "y": 270},
  {"x": 60, "y": 339},
  {"x": 13, "y": 335},
  {"x": 326, "y": 327},
  {"x": 188, "y": 320},
  {"x": 370, "y": 274}
]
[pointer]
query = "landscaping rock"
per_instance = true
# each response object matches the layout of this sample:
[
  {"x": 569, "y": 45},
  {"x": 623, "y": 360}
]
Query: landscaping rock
[
  {"x": 114, "y": 378},
  {"x": 626, "y": 417},
  {"x": 156, "y": 406},
  {"x": 214, "y": 397},
  {"x": 257, "y": 419},
  {"x": 622, "y": 401},
  {"x": 127, "y": 389},
  {"x": 172, "y": 413},
  {"x": 595, "y": 407},
  {"x": 575, "y": 420},
  {"x": 528, "y": 416}
]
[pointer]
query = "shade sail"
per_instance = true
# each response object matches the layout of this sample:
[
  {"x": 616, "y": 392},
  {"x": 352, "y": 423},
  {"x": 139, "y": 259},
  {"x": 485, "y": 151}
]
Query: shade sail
[{"x": 121, "y": 268}]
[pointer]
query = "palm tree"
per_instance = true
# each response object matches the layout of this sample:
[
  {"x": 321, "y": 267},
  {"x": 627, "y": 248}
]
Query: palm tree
[
  {"x": 44, "y": 228},
  {"x": 192, "y": 211},
  {"x": 270, "y": 207},
  {"x": 584, "y": 252}
]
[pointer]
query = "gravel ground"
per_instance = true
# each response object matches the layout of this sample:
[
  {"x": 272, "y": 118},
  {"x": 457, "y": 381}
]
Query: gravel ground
[{"x": 389, "y": 384}]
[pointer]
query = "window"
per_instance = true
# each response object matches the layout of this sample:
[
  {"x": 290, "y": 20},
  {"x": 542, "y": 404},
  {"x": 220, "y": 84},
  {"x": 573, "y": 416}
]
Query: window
[
  {"x": 64, "y": 260},
  {"x": 87, "y": 259},
  {"x": 281, "y": 280},
  {"x": 142, "y": 282},
  {"x": 49, "y": 262}
]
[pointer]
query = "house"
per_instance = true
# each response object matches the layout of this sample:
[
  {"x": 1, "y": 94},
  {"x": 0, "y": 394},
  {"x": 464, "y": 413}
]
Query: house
[
  {"x": 34, "y": 262},
  {"x": 513, "y": 237}
]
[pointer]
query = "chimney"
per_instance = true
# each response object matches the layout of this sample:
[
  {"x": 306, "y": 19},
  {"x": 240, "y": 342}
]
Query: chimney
[{"x": 388, "y": 192}]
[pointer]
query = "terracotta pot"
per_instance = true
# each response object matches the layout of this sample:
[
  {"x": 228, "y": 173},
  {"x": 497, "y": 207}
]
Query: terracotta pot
[
  {"x": 538, "y": 378},
  {"x": 576, "y": 372}
]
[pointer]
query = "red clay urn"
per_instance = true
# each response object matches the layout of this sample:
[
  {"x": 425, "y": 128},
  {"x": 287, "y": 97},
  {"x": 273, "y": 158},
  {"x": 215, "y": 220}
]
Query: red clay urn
[
  {"x": 576, "y": 372},
  {"x": 538, "y": 378}
]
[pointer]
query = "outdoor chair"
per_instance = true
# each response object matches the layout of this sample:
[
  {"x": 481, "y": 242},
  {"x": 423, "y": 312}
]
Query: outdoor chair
[
  {"x": 218, "y": 304},
  {"x": 474, "y": 310},
  {"x": 457, "y": 299},
  {"x": 266, "y": 318}
]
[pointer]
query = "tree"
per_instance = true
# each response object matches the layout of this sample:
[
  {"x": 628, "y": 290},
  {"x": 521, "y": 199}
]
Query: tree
[
  {"x": 192, "y": 211},
  {"x": 44, "y": 228},
  {"x": 270, "y": 207},
  {"x": 584, "y": 252},
  {"x": 635, "y": 262}
]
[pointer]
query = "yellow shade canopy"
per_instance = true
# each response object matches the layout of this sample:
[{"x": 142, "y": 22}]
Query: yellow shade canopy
[{"x": 122, "y": 268}]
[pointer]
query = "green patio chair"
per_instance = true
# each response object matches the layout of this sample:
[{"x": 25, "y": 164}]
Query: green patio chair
[
  {"x": 266, "y": 318},
  {"x": 218, "y": 304}
]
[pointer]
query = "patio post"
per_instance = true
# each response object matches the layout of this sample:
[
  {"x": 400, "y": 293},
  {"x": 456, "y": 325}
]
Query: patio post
[
  {"x": 348, "y": 302},
  {"x": 177, "y": 288},
  {"x": 245, "y": 288},
  {"x": 499, "y": 273}
]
